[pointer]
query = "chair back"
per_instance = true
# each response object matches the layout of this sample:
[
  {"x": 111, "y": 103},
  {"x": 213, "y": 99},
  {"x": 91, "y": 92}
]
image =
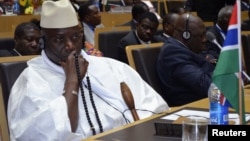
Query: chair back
[
  {"x": 10, "y": 69},
  {"x": 133, "y": 47},
  {"x": 7, "y": 43},
  {"x": 144, "y": 61},
  {"x": 9, "y": 72},
  {"x": 108, "y": 29},
  {"x": 108, "y": 43}
]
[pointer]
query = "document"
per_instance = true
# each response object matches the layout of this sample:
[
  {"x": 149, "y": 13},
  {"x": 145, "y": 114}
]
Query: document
[{"x": 201, "y": 113}]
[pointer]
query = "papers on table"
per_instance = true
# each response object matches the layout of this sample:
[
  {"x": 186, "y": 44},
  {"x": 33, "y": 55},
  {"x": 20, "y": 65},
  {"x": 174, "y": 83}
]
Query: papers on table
[{"x": 200, "y": 113}]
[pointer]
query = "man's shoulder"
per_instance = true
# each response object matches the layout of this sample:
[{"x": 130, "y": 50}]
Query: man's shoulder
[
  {"x": 130, "y": 33},
  {"x": 212, "y": 29},
  {"x": 173, "y": 45},
  {"x": 159, "y": 38},
  {"x": 37, "y": 61},
  {"x": 5, "y": 53},
  {"x": 129, "y": 36},
  {"x": 126, "y": 23}
]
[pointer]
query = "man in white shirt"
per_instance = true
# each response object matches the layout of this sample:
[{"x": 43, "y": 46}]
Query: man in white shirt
[
  {"x": 67, "y": 95},
  {"x": 90, "y": 18}
]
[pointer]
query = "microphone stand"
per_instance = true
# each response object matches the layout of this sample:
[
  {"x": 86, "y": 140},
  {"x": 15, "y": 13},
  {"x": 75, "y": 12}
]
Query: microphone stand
[{"x": 219, "y": 46}]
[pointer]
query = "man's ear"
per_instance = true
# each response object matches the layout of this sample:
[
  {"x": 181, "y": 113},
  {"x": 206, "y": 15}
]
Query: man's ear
[
  {"x": 86, "y": 18},
  {"x": 15, "y": 39},
  {"x": 42, "y": 40}
]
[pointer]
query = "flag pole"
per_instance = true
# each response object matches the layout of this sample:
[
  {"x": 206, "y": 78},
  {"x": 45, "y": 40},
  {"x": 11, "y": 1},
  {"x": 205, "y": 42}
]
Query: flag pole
[
  {"x": 240, "y": 99},
  {"x": 240, "y": 62}
]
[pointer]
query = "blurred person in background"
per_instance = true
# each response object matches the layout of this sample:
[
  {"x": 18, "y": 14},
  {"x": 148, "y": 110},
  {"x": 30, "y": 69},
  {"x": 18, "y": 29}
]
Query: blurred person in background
[
  {"x": 90, "y": 18},
  {"x": 168, "y": 25},
  {"x": 219, "y": 31},
  {"x": 145, "y": 33},
  {"x": 27, "y": 38},
  {"x": 137, "y": 10}
]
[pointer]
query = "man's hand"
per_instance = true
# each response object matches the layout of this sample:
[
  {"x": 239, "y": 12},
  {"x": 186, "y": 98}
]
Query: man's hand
[{"x": 69, "y": 66}]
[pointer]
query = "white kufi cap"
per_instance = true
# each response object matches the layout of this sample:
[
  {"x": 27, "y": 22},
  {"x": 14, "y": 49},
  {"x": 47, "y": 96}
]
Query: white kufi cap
[{"x": 58, "y": 14}]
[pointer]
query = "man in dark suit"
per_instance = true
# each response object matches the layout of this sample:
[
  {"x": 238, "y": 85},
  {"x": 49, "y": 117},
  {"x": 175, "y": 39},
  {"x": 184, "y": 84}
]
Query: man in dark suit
[
  {"x": 185, "y": 76},
  {"x": 168, "y": 25},
  {"x": 144, "y": 34},
  {"x": 27, "y": 41},
  {"x": 219, "y": 30}
]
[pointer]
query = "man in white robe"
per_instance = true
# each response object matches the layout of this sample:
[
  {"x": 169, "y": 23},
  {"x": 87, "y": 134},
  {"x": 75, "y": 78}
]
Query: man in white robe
[{"x": 46, "y": 101}]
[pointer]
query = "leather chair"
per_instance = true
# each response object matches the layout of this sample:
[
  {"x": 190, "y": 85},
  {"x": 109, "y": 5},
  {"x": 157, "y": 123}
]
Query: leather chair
[
  {"x": 9, "y": 72},
  {"x": 7, "y": 43},
  {"x": 145, "y": 60},
  {"x": 108, "y": 29},
  {"x": 129, "y": 49},
  {"x": 108, "y": 43}
]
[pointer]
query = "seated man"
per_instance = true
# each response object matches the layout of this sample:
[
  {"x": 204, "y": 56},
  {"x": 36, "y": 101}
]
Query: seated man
[
  {"x": 137, "y": 10},
  {"x": 90, "y": 17},
  {"x": 89, "y": 48},
  {"x": 185, "y": 76},
  {"x": 27, "y": 41},
  {"x": 219, "y": 30},
  {"x": 168, "y": 25},
  {"x": 67, "y": 95},
  {"x": 144, "y": 34}
]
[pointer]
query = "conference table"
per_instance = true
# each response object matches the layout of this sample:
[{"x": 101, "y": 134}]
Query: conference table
[{"x": 144, "y": 130}]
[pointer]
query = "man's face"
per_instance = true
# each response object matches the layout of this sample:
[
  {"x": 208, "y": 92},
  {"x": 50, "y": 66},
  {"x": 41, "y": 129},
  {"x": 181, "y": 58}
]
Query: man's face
[
  {"x": 94, "y": 18},
  {"x": 197, "y": 42},
  {"x": 28, "y": 44},
  {"x": 169, "y": 28},
  {"x": 146, "y": 29},
  {"x": 59, "y": 43}
]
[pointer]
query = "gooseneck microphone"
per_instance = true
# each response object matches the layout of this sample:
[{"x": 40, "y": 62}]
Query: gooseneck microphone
[{"x": 211, "y": 37}]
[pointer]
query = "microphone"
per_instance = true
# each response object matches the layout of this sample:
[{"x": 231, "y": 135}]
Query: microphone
[{"x": 211, "y": 37}]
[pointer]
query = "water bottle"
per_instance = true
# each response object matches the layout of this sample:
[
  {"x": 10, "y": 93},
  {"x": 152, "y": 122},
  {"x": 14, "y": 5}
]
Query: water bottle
[
  {"x": 16, "y": 7},
  {"x": 218, "y": 113}
]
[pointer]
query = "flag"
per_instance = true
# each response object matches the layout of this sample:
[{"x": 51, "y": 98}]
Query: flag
[
  {"x": 226, "y": 74},
  {"x": 224, "y": 101}
]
